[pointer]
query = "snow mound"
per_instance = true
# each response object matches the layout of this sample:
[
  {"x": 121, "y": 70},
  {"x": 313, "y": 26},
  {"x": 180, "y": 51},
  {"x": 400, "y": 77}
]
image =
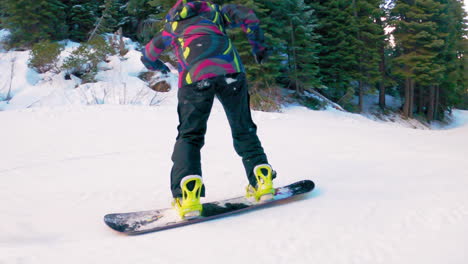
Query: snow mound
[{"x": 118, "y": 82}]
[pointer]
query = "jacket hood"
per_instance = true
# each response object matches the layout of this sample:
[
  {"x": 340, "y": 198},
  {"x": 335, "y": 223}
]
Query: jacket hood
[{"x": 184, "y": 9}]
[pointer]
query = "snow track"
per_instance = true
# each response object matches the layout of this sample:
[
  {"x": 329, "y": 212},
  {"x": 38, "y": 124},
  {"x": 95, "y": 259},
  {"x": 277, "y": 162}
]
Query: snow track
[{"x": 385, "y": 193}]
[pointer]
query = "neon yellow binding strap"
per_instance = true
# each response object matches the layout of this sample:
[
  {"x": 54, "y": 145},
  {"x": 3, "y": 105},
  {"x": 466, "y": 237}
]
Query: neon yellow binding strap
[
  {"x": 190, "y": 205},
  {"x": 264, "y": 183}
]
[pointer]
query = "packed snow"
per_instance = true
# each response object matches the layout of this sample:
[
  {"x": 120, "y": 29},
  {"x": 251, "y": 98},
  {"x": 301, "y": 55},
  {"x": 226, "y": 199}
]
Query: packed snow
[{"x": 385, "y": 193}]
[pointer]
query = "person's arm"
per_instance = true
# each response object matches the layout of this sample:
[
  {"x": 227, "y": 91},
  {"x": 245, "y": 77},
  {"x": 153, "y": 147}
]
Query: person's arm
[
  {"x": 241, "y": 16},
  {"x": 152, "y": 51}
]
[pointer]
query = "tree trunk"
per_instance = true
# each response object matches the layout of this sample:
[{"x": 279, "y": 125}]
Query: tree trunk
[
  {"x": 93, "y": 33},
  {"x": 421, "y": 100},
  {"x": 358, "y": 35},
  {"x": 407, "y": 98},
  {"x": 293, "y": 40},
  {"x": 361, "y": 97},
  {"x": 436, "y": 102},
  {"x": 431, "y": 105},
  {"x": 411, "y": 102},
  {"x": 382, "y": 102},
  {"x": 408, "y": 107}
]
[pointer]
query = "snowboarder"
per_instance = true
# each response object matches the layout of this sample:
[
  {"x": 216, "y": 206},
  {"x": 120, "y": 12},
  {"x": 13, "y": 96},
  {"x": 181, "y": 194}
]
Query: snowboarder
[{"x": 210, "y": 66}]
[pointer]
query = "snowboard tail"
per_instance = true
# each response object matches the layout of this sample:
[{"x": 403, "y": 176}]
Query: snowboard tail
[{"x": 156, "y": 220}]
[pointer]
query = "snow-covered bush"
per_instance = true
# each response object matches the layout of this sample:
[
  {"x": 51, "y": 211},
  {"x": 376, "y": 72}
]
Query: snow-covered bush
[
  {"x": 45, "y": 55},
  {"x": 310, "y": 101},
  {"x": 101, "y": 48},
  {"x": 80, "y": 63},
  {"x": 84, "y": 60}
]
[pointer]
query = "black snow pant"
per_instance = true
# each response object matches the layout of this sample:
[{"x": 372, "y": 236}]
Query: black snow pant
[{"x": 194, "y": 107}]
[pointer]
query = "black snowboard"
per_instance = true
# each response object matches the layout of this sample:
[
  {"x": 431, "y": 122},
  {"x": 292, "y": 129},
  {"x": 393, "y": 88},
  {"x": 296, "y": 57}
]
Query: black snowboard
[{"x": 150, "y": 221}]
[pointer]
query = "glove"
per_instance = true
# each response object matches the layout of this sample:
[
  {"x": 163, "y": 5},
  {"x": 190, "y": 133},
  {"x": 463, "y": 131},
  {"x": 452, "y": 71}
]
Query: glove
[
  {"x": 261, "y": 56},
  {"x": 155, "y": 65}
]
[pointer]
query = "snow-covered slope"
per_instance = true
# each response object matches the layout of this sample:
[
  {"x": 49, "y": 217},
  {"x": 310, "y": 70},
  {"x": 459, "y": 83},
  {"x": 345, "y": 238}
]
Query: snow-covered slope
[{"x": 385, "y": 193}]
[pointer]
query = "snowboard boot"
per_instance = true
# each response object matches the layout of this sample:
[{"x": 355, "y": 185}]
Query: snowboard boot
[
  {"x": 188, "y": 206},
  {"x": 264, "y": 190}
]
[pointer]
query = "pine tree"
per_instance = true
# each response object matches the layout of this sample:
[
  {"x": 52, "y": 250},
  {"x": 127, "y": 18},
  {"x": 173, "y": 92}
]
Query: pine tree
[
  {"x": 405, "y": 18},
  {"x": 453, "y": 88},
  {"x": 302, "y": 45},
  {"x": 421, "y": 38},
  {"x": 385, "y": 47},
  {"x": 32, "y": 20},
  {"x": 111, "y": 18},
  {"x": 351, "y": 42},
  {"x": 112, "y": 15},
  {"x": 144, "y": 17},
  {"x": 337, "y": 53},
  {"x": 289, "y": 27},
  {"x": 369, "y": 40},
  {"x": 262, "y": 78},
  {"x": 82, "y": 18},
  {"x": 3, "y": 14}
]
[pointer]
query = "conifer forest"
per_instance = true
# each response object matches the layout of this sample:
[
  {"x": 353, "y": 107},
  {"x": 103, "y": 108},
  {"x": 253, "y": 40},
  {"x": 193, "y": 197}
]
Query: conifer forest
[{"x": 341, "y": 49}]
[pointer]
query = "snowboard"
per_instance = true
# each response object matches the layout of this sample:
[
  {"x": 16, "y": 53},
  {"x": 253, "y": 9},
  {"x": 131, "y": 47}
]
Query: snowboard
[{"x": 156, "y": 220}]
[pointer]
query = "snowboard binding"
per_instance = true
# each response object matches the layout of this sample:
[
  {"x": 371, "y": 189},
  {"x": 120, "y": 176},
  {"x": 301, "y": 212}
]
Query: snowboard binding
[
  {"x": 188, "y": 206},
  {"x": 264, "y": 190}
]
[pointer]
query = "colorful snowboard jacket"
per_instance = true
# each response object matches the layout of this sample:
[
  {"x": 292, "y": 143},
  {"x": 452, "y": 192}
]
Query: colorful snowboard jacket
[{"x": 197, "y": 31}]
